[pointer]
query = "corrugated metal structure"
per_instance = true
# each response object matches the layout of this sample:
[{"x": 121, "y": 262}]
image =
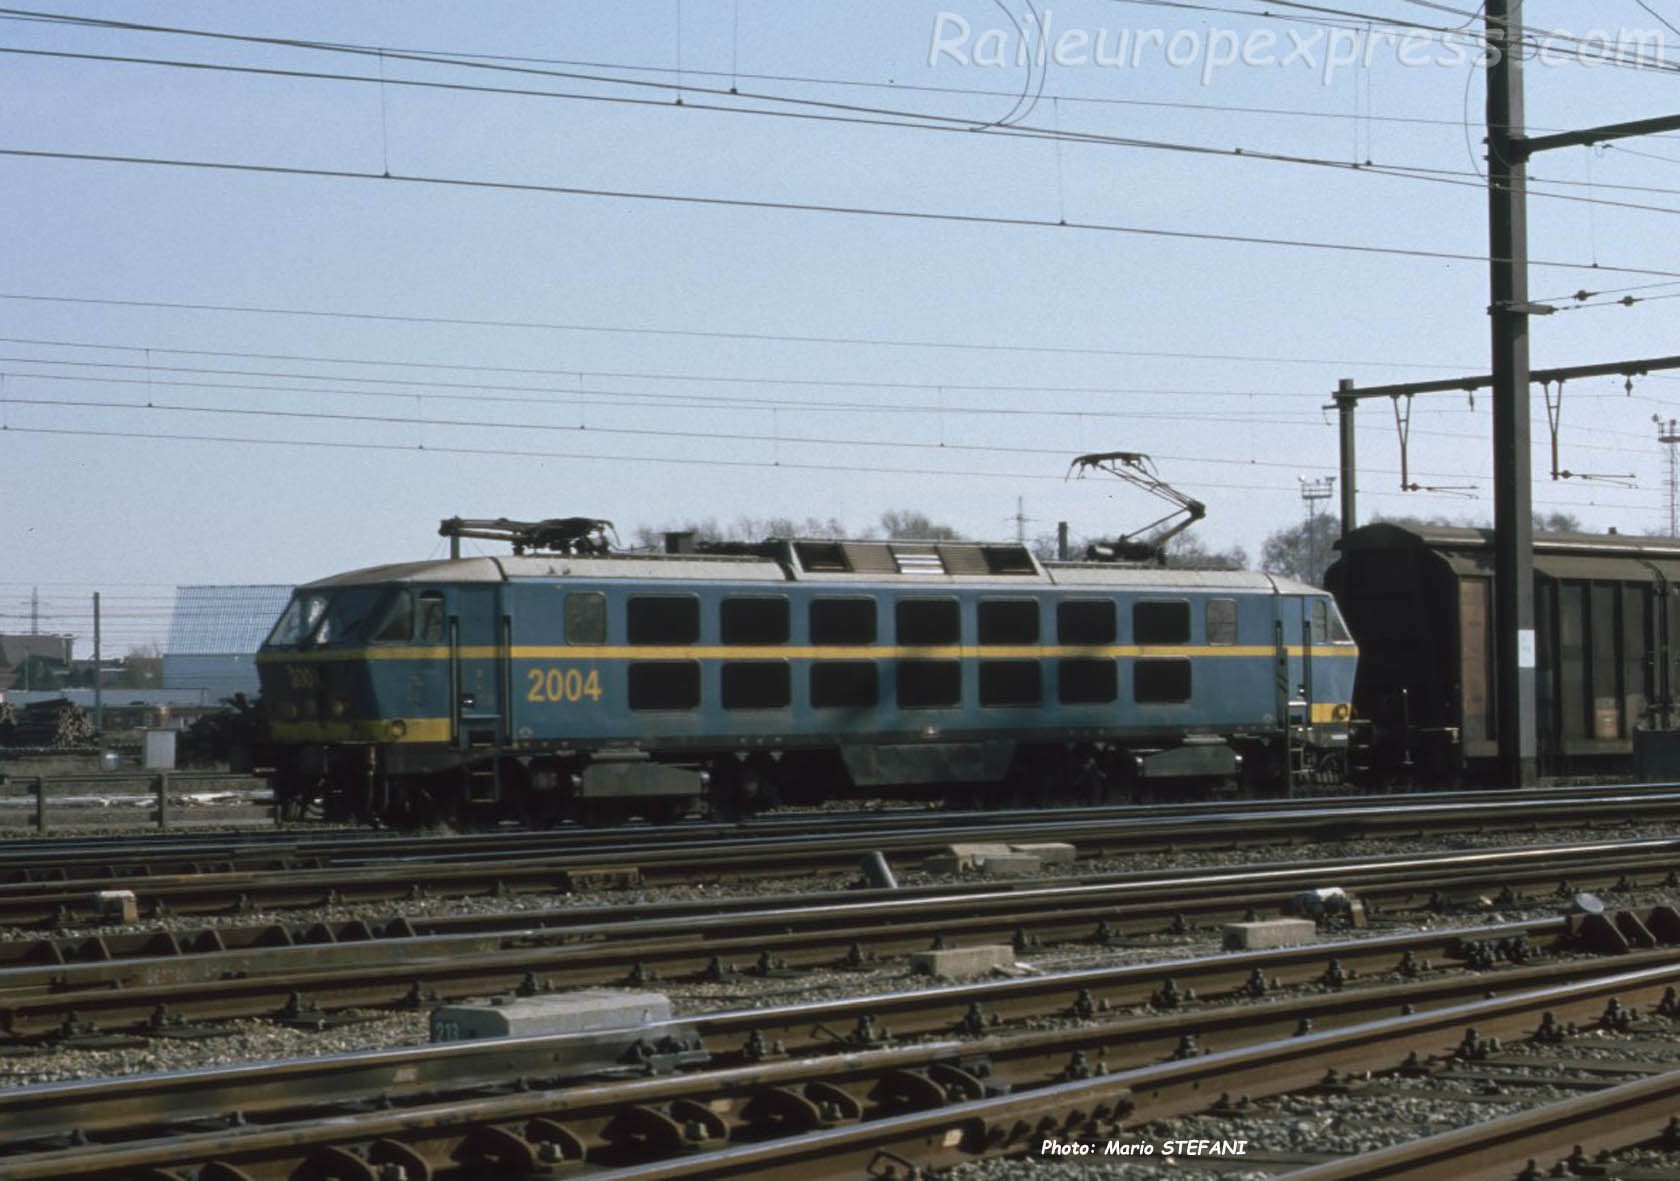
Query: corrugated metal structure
[{"x": 214, "y": 635}]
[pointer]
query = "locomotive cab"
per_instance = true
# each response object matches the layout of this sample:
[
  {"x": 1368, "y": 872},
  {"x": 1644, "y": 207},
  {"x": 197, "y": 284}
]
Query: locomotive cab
[{"x": 358, "y": 675}]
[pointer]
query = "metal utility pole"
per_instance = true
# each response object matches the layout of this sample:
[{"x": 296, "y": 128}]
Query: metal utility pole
[
  {"x": 1312, "y": 492},
  {"x": 98, "y": 678},
  {"x": 1345, "y": 404},
  {"x": 1513, "y": 500},
  {"x": 1509, "y": 308},
  {"x": 1668, "y": 435}
]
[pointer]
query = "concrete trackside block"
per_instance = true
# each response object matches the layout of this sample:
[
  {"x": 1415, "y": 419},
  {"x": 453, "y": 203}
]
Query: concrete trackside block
[
  {"x": 968, "y": 856},
  {"x": 1049, "y": 852},
  {"x": 1269, "y": 933},
  {"x": 119, "y": 906},
  {"x": 963, "y": 963},
  {"x": 1008, "y": 865},
  {"x": 585, "y": 1011}
]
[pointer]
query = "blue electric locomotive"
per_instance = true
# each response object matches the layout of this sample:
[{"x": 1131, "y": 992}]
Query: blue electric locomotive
[{"x": 583, "y": 684}]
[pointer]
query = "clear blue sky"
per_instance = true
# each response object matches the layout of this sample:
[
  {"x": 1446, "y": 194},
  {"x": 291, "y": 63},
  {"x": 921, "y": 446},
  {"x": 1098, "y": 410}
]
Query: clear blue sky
[{"x": 648, "y": 357}]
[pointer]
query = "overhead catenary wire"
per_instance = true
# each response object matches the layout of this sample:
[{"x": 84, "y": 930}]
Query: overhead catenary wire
[
  {"x": 692, "y": 333},
  {"x": 927, "y": 121},
  {"x": 892, "y": 442},
  {"x": 989, "y": 474},
  {"x": 861, "y": 211}
]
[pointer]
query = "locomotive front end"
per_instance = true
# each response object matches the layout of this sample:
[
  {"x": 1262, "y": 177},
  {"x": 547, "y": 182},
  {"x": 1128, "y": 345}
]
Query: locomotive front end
[{"x": 341, "y": 674}]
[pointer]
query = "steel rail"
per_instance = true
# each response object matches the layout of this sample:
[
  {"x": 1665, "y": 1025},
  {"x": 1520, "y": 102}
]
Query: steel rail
[
  {"x": 130, "y": 994},
  {"x": 1609, "y": 1120},
  {"x": 1013, "y": 1125},
  {"x": 215, "y": 875},
  {"x": 1061, "y": 1082},
  {"x": 107, "y": 1104},
  {"x": 112, "y": 947}
]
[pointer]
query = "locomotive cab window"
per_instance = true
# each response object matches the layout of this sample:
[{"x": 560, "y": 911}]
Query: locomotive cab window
[
  {"x": 1008, "y": 621},
  {"x": 1161, "y": 622},
  {"x": 662, "y": 619},
  {"x": 586, "y": 618},
  {"x": 929, "y": 622},
  {"x": 1327, "y": 627},
  {"x": 1085, "y": 621},
  {"x": 398, "y": 624},
  {"x": 429, "y": 628},
  {"x": 298, "y": 622},
  {"x": 1222, "y": 621},
  {"x": 843, "y": 621},
  {"x": 756, "y": 620},
  {"x": 1161, "y": 682}
]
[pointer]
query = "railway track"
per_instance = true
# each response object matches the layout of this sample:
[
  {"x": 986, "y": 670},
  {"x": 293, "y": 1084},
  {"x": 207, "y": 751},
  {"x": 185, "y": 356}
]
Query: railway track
[
  {"x": 56, "y": 887},
  {"x": 151, "y": 853},
  {"x": 964, "y": 1072},
  {"x": 93, "y": 986}
]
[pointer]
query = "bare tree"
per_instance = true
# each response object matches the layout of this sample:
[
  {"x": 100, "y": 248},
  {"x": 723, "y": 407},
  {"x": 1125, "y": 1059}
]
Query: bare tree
[
  {"x": 908, "y": 525},
  {"x": 143, "y": 667},
  {"x": 1188, "y": 552},
  {"x": 1303, "y": 551}
]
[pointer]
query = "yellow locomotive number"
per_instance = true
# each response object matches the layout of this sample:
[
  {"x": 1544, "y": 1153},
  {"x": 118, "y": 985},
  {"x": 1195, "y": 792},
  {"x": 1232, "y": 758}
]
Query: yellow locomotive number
[
  {"x": 302, "y": 676},
  {"x": 570, "y": 685}
]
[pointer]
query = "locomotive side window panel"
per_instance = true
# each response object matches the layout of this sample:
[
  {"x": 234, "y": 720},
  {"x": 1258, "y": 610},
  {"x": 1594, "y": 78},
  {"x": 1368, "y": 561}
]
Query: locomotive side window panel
[
  {"x": 928, "y": 622},
  {"x": 662, "y": 619},
  {"x": 664, "y": 684},
  {"x": 586, "y": 618},
  {"x": 1161, "y": 622},
  {"x": 1222, "y": 621},
  {"x": 842, "y": 621},
  {"x": 1320, "y": 622},
  {"x": 1010, "y": 682},
  {"x": 760, "y": 619},
  {"x": 1338, "y": 628},
  {"x": 429, "y": 628},
  {"x": 844, "y": 684},
  {"x": 756, "y": 684},
  {"x": 929, "y": 684},
  {"x": 1008, "y": 621},
  {"x": 398, "y": 625},
  {"x": 1156, "y": 682},
  {"x": 1086, "y": 682},
  {"x": 1085, "y": 621}
]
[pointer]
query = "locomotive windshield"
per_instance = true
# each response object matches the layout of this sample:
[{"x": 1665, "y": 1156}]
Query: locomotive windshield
[
  {"x": 321, "y": 617},
  {"x": 299, "y": 620}
]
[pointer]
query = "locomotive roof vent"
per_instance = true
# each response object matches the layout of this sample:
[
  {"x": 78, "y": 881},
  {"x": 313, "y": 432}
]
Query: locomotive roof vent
[
  {"x": 917, "y": 559},
  {"x": 913, "y": 558}
]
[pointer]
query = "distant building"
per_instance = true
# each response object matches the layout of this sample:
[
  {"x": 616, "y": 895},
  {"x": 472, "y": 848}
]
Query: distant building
[
  {"x": 23, "y": 659},
  {"x": 214, "y": 635}
]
